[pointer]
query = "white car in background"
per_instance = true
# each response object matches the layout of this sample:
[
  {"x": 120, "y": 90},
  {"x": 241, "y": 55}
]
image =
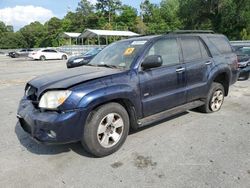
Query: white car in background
[{"x": 46, "y": 54}]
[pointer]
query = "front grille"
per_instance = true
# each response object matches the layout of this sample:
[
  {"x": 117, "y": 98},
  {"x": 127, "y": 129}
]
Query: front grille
[{"x": 26, "y": 127}]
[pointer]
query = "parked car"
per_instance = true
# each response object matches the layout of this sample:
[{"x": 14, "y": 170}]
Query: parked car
[
  {"x": 243, "y": 53},
  {"x": 47, "y": 54},
  {"x": 20, "y": 53},
  {"x": 83, "y": 59},
  {"x": 129, "y": 84}
]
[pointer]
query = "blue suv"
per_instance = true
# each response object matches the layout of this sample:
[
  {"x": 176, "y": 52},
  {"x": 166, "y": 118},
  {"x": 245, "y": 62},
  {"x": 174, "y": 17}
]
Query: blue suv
[{"x": 129, "y": 84}]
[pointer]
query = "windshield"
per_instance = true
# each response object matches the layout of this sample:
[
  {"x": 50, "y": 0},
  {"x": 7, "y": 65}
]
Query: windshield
[
  {"x": 244, "y": 50},
  {"x": 93, "y": 51},
  {"x": 119, "y": 54}
]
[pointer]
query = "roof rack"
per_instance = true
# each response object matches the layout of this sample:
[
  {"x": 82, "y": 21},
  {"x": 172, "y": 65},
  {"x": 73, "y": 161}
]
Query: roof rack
[{"x": 191, "y": 31}]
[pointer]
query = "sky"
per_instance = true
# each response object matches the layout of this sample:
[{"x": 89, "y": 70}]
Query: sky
[{"x": 19, "y": 13}]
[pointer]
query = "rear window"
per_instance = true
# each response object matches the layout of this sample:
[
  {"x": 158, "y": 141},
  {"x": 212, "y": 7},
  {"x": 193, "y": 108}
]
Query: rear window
[{"x": 221, "y": 44}]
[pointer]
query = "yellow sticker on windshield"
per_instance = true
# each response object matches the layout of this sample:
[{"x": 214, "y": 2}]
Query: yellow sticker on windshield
[{"x": 129, "y": 51}]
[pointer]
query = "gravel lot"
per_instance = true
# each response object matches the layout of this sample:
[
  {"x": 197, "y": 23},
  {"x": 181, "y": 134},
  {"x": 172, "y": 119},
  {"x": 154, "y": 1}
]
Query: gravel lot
[{"x": 189, "y": 150}]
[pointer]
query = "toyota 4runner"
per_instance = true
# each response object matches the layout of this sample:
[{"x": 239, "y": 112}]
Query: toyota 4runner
[{"x": 130, "y": 84}]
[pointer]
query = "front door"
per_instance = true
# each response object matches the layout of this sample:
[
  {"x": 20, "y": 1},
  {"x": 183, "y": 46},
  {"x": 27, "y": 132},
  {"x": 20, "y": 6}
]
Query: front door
[{"x": 164, "y": 87}]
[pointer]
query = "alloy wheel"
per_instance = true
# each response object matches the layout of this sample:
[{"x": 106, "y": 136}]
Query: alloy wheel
[
  {"x": 217, "y": 100},
  {"x": 110, "y": 130}
]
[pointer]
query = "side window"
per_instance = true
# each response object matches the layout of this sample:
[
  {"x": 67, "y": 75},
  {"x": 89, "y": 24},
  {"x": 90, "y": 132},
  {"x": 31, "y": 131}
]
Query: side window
[
  {"x": 53, "y": 51},
  {"x": 168, "y": 49},
  {"x": 191, "y": 49},
  {"x": 45, "y": 50},
  {"x": 203, "y": 49},
  {"x": 221, "y": 44}
]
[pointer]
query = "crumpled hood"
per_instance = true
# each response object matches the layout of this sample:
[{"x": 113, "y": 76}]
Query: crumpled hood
[{"x": 70, "y": 77}]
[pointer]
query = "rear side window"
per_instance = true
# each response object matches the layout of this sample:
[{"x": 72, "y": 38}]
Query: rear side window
[
  {"x": 203, "y": 49},
  {"x": 221, "y": 44},
  {"x": 191, "y": 48}
]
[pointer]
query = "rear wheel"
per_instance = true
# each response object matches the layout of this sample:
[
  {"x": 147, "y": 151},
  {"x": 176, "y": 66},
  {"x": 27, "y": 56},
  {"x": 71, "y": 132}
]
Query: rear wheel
[
  {"x": 42, "y": 58},
  {"x": 106, "y": 129},
  {"x": 214, "y": 100}
]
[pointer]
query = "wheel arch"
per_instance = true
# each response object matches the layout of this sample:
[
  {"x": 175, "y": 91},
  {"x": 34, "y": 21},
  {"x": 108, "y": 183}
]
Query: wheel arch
[
  {"x": 221, "y": 74},
  {"x": 128, "y": 106},
  {"x": 223, "y": 78}
]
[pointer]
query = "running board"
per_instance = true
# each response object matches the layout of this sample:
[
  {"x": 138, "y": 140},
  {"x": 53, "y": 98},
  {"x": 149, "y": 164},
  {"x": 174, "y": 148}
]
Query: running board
[{"x": 168, "y": 113}]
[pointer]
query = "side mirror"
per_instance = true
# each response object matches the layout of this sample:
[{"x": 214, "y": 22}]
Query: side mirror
[{"x": 152, "y": 61}]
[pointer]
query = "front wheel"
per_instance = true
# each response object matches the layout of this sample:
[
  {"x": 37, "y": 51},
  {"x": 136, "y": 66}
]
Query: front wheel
[
  {"x": 244, "y": 76},
  {"x": 106, "y": 129},
  {"x": 214, "y": 100},
  {"x": 64, "y": 57}
]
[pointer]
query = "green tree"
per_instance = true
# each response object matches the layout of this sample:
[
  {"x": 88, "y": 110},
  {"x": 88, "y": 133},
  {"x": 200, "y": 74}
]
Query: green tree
[
  {"x": 53, "y": 30},
  {"x": 108, "y": 8},
  {"x": 85, "y": 7},
  {"x": 33, "y": 34},
  {"x": 229, "y": 17},
  {"x": 161, "y": 18},
  {"x": 127, "y": 18},
  {"x": 11, "y": 40},
  {"x": 147, "y": 9},
  {"x": 2, "y": 28},
  {"x": 170, "y": 14}
]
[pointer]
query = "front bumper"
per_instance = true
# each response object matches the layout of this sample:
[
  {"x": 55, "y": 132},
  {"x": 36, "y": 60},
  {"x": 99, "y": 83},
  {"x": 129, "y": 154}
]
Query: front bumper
[{"x": 51, "y": 127}]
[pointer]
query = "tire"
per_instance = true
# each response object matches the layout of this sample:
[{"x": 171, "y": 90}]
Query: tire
[
  {"x": 247, "y": 76},
  {"x": 214, "y": 100},
  {"x": 106, "y": 130},
  {"x": 244, "y": 76},
  {"x": 42, "y": 58},
  {"x": 64, "y": 57}
]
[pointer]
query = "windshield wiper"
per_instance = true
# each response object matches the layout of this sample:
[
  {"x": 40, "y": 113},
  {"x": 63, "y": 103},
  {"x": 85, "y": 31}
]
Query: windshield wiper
[{"x": 108, "y": 66}]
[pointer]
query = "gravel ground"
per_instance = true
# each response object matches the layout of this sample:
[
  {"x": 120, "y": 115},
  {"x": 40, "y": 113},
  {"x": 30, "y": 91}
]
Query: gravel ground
[{"x": 189, "y": 150}]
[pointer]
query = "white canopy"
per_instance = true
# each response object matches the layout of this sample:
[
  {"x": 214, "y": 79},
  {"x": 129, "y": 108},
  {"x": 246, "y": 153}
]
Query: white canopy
[
  {"x": 70, "y": 35},
  {"x": 90, "y": 33}
]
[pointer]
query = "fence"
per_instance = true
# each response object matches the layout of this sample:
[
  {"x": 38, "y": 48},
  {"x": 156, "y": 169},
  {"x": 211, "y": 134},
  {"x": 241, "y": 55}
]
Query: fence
[{"x": 71, "y": 50}]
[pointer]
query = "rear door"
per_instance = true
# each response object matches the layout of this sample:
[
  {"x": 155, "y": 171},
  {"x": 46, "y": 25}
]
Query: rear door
[
  {"x": 198, "y": 63},
  {"x": 163, "y": 87}
]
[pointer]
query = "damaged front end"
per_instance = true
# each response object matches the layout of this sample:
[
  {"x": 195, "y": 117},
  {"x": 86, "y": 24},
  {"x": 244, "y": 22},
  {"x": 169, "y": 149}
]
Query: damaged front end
[{"x": 49, "y": 127}]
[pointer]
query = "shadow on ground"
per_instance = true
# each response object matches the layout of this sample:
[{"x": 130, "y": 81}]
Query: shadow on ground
[{"x": 41, "y": 149}]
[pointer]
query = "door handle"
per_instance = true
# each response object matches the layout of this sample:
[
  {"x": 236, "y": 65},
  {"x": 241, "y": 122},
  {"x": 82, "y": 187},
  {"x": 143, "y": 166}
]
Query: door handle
[
  {"x": 180, "y": 70},
  {"x": 208, "y": 63}
]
